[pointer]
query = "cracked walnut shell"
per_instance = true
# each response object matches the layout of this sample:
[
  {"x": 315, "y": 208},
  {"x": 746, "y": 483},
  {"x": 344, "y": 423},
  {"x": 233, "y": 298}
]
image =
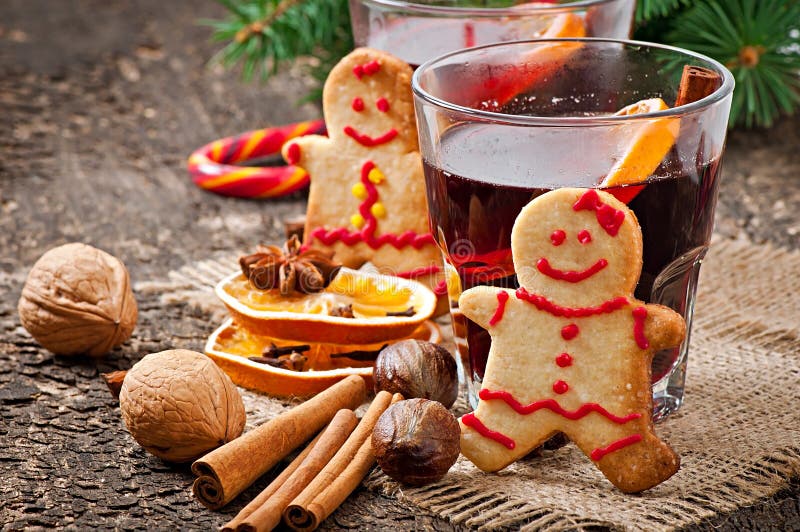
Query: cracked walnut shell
[
  {"x": 78, "y": 299},
  {"x": 178, "y": 405}
]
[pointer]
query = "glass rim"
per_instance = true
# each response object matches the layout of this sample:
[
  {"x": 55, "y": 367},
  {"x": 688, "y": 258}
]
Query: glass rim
[
  {"x": 511, "y": 11},
  {"x": 722, "y": 92}
]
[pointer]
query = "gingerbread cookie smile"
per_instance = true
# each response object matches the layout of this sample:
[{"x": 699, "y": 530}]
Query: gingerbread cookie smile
[{"x": 543, "y": 265}]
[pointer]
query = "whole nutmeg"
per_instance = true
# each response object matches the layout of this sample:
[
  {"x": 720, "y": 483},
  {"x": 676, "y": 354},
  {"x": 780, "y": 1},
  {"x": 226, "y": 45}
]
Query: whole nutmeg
[
  {"x": 416, "y": 368},
  {"x": 78, "y": 299},
  {"x": 416, "y": 441},
  {"x": 178, "y": 405}
]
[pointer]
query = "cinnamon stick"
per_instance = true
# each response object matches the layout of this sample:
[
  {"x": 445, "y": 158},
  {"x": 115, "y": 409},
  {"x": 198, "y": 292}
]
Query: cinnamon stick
[
  {"x": 696, "y": 83},
  {"x": 342, "y": 475},
  {"x": 273, "y": 486},
  {"x": 264, "y": 512},
  {"x": 226, "y": 471}
]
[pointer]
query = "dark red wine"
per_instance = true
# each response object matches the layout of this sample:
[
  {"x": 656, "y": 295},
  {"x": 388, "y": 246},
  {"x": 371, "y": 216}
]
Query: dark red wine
[{"x": 473, "y": 207}]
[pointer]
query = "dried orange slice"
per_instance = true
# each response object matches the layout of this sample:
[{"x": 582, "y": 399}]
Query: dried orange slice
[
  {"x": 647, "y": 148},
  {"x": 230, "y": 346},
  {"x": 307, "y": 317}
]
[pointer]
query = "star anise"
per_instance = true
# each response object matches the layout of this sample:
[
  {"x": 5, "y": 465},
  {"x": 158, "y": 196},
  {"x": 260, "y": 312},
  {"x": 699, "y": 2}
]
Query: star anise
[{"x": 290, "y": 268}]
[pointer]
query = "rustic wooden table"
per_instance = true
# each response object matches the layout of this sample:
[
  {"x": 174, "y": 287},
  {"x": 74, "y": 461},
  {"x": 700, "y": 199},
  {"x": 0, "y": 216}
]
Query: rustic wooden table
[{"x": 100, "y": 103}]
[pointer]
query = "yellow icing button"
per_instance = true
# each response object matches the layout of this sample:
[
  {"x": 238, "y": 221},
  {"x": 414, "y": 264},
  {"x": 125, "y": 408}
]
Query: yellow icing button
[
  {"x": 359, "y": 191},
  {"x": 376, "y": 176},
  {"x": 357, "y": 220},
  {"x": 378, "y": 210}
]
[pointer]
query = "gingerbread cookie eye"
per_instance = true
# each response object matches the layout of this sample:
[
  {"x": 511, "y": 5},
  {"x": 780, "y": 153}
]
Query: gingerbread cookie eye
[
  {"x": 357, "y": 105},
  {"x": 584, "y": 236},
  {"x": 382, "y": 104},
  {"x": 557, "y": 237}
]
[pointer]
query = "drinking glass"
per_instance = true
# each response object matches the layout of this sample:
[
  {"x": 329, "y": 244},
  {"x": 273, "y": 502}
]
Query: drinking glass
[
  {"x": 504, "y": 123},
  {"x": 418, "y": 30}
]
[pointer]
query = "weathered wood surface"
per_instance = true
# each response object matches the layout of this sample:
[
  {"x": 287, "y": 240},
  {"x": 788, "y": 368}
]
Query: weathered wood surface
[{"x": 100, "y": 103}]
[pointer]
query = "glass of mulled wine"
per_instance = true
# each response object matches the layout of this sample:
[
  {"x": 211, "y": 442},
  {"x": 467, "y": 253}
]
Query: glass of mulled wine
[
  {"x": 504, "y": 123},
  {"x": 418, "y": 30}
]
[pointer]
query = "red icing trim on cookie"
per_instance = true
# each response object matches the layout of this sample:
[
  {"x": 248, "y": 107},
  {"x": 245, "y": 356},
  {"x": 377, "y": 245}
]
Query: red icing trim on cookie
[
  {"x": 564, "y": 360},
  {"x": 608, "y": 217},
  {"x": 341, "y": 234},
  {"x": 542, "y": 303},
  {"x": 557, "y": 237},
  {"x": 471, "y": 421},
  {"x": 357, "y": 105},
  {"x": 293, "y": 154},
  {"x": 570, "y": 331},
  {"x": 367, "y": 234},
  {"x": 419, "y": 272},
  {"x": 502, "y": 297},
  {"x": 552, "y": 405},
  {"x": 600, "y": 452},
  {"x": 584, "y": 237},
  {"x": 382, "y": 104},
  {"x": 639, "y": 316},
  {"x": 366, "y": 140},
  {"x": 560, "y": 387},
  {"x": 367, "y": 69},
  {"x": 441, "y": 287},
  {"x": 543, "y": 265}
]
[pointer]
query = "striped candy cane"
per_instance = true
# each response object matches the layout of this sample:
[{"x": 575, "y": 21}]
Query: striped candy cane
[{"x": 217, "y": 166}]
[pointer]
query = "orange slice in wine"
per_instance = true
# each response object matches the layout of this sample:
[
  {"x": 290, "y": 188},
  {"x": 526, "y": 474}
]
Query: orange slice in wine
[
  {"x": 230, "y": 346},
  {"x": 648, "y": 146},
  {"x": 535, "y": 66},
  {"x": 305, "y": 318}
]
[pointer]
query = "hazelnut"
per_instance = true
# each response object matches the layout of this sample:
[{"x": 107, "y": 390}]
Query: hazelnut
[
  {"x": 77, "y": 299},
  {"x": 178, "y": 405},
  {"x": 416, "y": 368},
  {"x": 416, "y": 441}
]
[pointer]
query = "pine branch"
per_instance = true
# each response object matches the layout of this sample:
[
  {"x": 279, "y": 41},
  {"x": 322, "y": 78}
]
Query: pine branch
[
  {"x": 758, "y": 40},
  {"x": 263, "y": 35}
]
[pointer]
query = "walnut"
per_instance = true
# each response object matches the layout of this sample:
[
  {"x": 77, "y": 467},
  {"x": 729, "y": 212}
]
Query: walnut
[
  {"x": 416, "y": 368},
  {"x": 77, "y": 299},
  {"x": 178, "y": 405},
  {"x": 416, "y": 441}
]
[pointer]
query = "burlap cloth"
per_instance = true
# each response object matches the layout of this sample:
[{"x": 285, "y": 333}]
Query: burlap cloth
[{"x": 738, "y": 432}]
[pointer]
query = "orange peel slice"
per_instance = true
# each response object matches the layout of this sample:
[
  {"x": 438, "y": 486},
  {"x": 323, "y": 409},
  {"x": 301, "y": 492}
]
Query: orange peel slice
[
  {"x": 305, "y": 317},
  {"x": 230, "y": 346},
  {"x": 648, "y": 147}
]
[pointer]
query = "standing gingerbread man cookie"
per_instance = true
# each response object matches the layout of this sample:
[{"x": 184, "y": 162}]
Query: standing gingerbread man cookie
[
  {"x": 571, "y": 349},
  {"x": 367, "y": 199}
]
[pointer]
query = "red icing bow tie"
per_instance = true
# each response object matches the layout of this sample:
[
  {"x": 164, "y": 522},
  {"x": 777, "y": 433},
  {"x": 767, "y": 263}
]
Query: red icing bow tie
[{"x": 608, "y": 217}]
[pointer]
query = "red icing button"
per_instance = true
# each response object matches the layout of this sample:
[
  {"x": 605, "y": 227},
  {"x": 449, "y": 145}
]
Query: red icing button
[
  {"x": 382, "y": 104},
  {"x": 293, "y": 154},
  {"x": 564, "y": 360},
  {"x": 560, "y": 387},
  {"x": 557, "y": 237},
  {"x": 584, "y": 237},
  {"x": 358, "y": 104},
  {"x": 570, "y": 331}
]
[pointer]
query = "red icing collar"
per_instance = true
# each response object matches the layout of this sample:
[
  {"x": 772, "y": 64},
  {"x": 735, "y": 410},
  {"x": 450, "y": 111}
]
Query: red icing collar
[{"x": 542, "y": 303}]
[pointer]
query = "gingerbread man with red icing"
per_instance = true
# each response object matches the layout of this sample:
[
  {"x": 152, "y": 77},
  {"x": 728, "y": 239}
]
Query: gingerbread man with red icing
[
  {"x": 571, "y": 348},
  {"x": 367, "y": 199}
]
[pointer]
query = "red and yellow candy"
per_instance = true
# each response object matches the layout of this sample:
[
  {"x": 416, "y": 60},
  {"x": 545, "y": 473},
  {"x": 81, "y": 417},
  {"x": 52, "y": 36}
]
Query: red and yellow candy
[{"x": 216, "y": 167}]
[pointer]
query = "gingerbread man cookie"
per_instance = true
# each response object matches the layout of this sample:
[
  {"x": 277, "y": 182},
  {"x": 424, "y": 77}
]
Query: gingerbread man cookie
[
  {"x": 367, "y": 198},
  {"x": 571, "y": 349}
]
